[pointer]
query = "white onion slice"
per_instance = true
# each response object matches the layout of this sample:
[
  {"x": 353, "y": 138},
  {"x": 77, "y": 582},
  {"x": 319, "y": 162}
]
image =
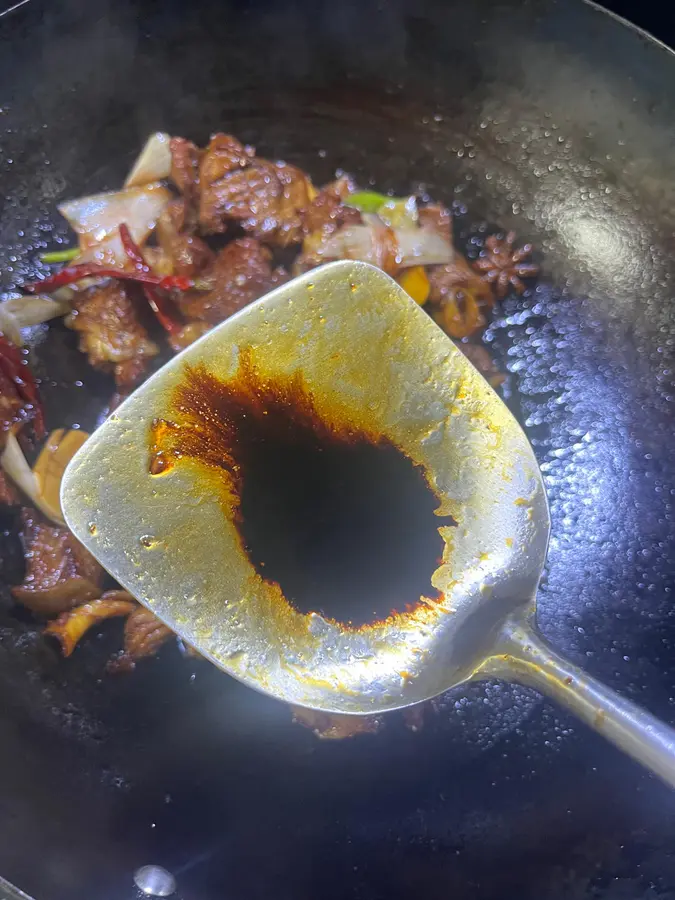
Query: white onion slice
[
  {"x": 421, "y": 247},
  {"x": 15, "y": 464},
  {"x": 22, "y": 312},
  {"x": 96, "y": 220},
  {"x": 413, "y": 246},
  {"x": 9, "y": 326},
  {"x": 153, "y": 162},
  {"x": 34, "y": 309}
]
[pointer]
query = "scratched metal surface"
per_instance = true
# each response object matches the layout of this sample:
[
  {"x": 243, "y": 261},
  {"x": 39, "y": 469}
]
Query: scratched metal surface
[{"x": 542, "y": 115}]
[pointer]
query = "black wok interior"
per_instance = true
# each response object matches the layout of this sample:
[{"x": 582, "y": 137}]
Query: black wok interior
[{"x": 548, "y": 117}]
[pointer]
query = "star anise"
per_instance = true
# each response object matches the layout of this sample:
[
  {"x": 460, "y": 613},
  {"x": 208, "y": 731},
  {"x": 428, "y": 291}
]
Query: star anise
[{"x": 502, "y": 265}]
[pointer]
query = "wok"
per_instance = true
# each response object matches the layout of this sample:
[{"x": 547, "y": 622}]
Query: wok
[{"x": 548, "y": 117}]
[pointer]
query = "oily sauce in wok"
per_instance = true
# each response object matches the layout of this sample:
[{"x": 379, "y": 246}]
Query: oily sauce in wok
[{"x": 340, "y": 519}]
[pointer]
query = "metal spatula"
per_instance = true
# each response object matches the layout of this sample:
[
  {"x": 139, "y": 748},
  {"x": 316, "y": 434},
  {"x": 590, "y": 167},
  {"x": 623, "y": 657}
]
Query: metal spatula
[{"x": 326, "y": 500}]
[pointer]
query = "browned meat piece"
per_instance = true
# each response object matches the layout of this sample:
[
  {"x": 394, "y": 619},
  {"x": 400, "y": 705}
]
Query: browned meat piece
[
  {"x": 241, "y": 273},
  {"x": 130, "y": 372},
  {"x": 144, "y": 634},
  {"x": 19, "y": 397},
  {"x": 326, "y": 213},
  {"x": 436, "y": 218},
  {"x": 8, "y": 495},
  {"x": 248, "y": 196},
  {"x": 71, "y": 626},
  {"x": 60, "y": 573},
  {"x": 224, "y": 156},
  {"x": 296, "y": 190},
  {"x": 185, "y": 157},
  {"x": 11, "y": 407},
  {"x": 480, "y": 357},
  {"x": 183, "y": 253},
  {"x": 111, "y": 333},
  {"x": 267, "y": 200},
  {"x": 188, "y": 335},
  {"x": 334, "y": 727},
  {"x": 446, "y": 281}
]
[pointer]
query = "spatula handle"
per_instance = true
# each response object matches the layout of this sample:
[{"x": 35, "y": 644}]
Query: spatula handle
[{"x": 524, "y": 657}]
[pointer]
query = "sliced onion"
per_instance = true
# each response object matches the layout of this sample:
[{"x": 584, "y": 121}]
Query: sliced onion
[
  {"x": 59, "y": 449},
  {"x": 42, "y": 486},
  {"x": 24, "y": 311},
  {"x": 153, "y": 162},
  {"x": 96, "y": 220},
  {"x": 9, "y": 326},
  {"x": 420, "y": 247},
  {"x": 15, "y": 464},
  {"x": 34, "y": 309},
  {"x": 412, "y": 246}
]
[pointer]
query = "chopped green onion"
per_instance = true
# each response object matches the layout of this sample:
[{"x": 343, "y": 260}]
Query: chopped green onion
[
  {"x": 397, "y": 212},
  {"x": 367, "y": 201},
  {"x": 59, "y": 256}
]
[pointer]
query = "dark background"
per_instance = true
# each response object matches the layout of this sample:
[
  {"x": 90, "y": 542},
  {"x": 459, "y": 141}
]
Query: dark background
[{"x": 657, "y": 18}]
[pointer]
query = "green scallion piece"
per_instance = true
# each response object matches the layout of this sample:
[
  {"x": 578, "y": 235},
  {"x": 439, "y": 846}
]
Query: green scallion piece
[
  {"x": 366, "y": 201},
  {"x": 60, "y": 256}
]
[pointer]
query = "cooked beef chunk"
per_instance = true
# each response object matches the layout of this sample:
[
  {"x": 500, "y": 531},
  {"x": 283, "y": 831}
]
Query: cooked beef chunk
[
  {"x": 183, "y": 253},
  {"x": 241, "y": 273},
  {"x": 327, "y": 212},
  {"x": 60, "y": 573},
  {"x": 185, "y": 158},
  {"x": 436, "y": 218},
  {"x": 19, "y": 397},
  {"x": 111, "y": 333},
  {"x": 224, "y": 157},
  {"x": 144, "y": 634},
  {"x": 268, "y": 200},
  {"x": 8, "y": 494},
  {"x": 295, "y": 200},
  {"x": 446, "y": 281},
  {"x": 188, "y": 335},
  {"x": 324, "y": 216},
  {"x": 247, "y": 196},
  {"x": 11, "y": 407}
]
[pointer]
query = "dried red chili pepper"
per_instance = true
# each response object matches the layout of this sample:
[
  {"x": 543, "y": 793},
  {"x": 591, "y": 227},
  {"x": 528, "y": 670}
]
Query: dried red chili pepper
[
  {"x": 71, "y": 274},
  {"x": 132, "y": 250},
  {"x": 161, "y": 306},
  {"x": 14, "y": 369}
]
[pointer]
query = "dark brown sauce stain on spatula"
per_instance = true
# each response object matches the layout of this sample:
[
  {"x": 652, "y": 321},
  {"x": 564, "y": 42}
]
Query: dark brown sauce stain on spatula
[{"x": 339, "y": 518}]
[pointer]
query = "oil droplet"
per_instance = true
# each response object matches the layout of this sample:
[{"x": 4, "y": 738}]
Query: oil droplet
[
  {"x": 92, "y": 528},
  {"x": 310, "y": 286},
  {"x": 148, "y": 541},
  {"x": 353, "y": 288}
]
